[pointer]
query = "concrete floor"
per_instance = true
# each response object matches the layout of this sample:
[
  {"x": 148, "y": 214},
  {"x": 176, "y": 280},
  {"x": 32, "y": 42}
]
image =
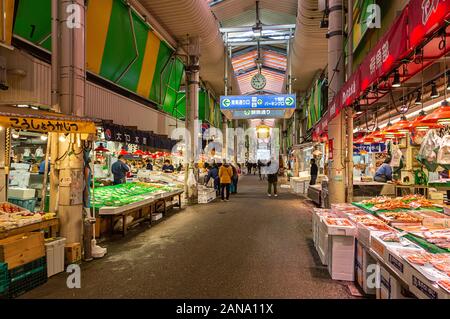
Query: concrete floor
[{"x": 251, "y": 247}]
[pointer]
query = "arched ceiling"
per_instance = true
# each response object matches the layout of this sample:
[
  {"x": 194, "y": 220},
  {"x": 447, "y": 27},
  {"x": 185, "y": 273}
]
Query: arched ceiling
[{"x": 207, "y": 18}]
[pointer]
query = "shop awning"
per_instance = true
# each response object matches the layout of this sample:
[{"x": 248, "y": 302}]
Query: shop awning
[
  {"x": 409, "y": 31},
  {"x": 43, "y": 121}
]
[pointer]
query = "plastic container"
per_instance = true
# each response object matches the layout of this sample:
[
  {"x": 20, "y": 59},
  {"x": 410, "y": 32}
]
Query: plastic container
[
  {"x": 29, "y": 204},
  {"x": 27, "y": 277},
  {"x": 4, "y": 279},
  {"x": 55, "y": 256}
]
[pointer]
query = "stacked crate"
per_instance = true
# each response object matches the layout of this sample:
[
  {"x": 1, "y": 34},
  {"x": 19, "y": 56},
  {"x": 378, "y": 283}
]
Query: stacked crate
[{"x": 26, "y": 268}]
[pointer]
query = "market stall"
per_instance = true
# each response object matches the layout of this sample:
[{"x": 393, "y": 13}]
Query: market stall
[
  {"x": 407, "y": 237},
  {"x": 149, "y": 192},
  {"x": 29, "y": 225}
]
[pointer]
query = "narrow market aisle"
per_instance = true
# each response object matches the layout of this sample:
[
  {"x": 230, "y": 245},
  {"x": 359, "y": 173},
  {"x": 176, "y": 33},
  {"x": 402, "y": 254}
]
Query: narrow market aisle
[{"x": 251, "y": 247}]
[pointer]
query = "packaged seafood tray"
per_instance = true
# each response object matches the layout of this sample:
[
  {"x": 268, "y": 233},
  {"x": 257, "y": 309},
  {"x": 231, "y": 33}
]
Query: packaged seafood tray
[
  {"x": 423, "y": 278},
  {"x": 384, "y": 242},
  {"x": 400, "y": 218},
  {"x": 432, "y": 218},
  {"x": 364, "y": 230},
  {"x": 339, "y": 226}
]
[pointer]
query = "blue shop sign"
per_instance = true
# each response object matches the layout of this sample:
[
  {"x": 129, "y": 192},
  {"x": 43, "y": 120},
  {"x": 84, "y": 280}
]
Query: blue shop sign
[
  {"x": 370, "y": 148},
  {"x": 236, "y": 102}
]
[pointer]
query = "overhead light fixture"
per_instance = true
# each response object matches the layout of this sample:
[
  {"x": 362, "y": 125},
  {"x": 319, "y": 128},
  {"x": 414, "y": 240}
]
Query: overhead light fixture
[
  {"x": 62, "y": 138},
  {"x": 15, "y": 135},
  {"x": 434, "y": 91},
  {"x": 396, "y": 83},
  {"x": 448, "y": 80},
  {"x": 357, "y": 108},
  {"x": 44, "y": 137},
  {"x": 34, "y": 107},
  {"x": 418, "y": 98},
  {"x": 22, "y": 105},
  {"x": 257, "y": 31}
]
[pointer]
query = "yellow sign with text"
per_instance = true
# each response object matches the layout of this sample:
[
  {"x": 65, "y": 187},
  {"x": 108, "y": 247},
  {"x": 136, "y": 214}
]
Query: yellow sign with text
[{"x": 47, "y": 126}]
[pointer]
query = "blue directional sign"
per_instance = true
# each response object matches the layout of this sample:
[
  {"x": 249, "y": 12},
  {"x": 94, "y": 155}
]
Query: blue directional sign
[{"x": 242, "y": 102}]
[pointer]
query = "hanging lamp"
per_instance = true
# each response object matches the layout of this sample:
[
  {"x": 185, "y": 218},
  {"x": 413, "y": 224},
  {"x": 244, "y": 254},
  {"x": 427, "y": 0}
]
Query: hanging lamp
[
  {"x": 123, "y": 152},
  {"x": 401, "y": 126},
  {"x": 138, "y": 153},
  {"x": 101, "y": 148}
]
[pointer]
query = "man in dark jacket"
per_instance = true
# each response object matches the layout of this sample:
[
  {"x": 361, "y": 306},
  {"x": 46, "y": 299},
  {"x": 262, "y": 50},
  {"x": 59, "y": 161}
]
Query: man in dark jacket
[
  {"x": 272, "y": 180},
  {"x": 314, "y": 172},
  {"x": 120, "y": 170},
  {"x": 213, "y": 172}
]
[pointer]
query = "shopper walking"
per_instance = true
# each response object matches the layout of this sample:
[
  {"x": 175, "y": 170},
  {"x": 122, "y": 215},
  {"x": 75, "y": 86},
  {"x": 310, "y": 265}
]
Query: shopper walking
[
  {"x": 225, "y": 175},
  {"x": 314, "y": 172},
  {"x": 234, "y": 179},
  {"x": 119, "y": 170},
  {"x": 272, "y": 181}
]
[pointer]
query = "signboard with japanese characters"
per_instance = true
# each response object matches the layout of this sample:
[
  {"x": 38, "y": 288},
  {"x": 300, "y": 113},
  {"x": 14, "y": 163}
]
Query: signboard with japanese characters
[
  {"x": 236, "y": 102},
  {"x": 122, "y": 134},
  {"x": 249, "y": 114},
  {"x": 391, "y": 47},
  {"x": 44, "y": 125}
]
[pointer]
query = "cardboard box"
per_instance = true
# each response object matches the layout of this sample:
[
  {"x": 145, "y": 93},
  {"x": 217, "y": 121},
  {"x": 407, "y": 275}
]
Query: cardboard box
[
  {"x": 21, "y": 249},
  {"x": 72, "y": 253}
]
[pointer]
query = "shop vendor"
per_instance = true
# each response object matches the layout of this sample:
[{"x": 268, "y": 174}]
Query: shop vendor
[
  {"x": 119, "y": 169},
  {"x": 384, "y": 172},
  {"x": 167, "y": 167}
]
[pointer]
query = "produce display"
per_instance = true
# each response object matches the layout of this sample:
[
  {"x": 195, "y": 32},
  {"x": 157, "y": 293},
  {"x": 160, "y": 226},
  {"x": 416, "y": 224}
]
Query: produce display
[
  {"x": 124, "y": 194},
  {"x": 13, "y": 216}
]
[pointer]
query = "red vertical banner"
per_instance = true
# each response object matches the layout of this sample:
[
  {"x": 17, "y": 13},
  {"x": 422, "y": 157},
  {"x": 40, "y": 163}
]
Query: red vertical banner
[
  {"x": 330, "y": 149},
  {"x": 424, "y": 18},
  {"x": 391, "y": 47}
]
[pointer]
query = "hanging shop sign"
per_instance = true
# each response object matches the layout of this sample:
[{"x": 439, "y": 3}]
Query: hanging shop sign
[
  {"x": 371, "y": 148},
  {"x": 425, "y": 17},
  {"x": 119, "y": 133},
  {"x": 47, "y": 125},
  {"x": 281, "y": 101}
]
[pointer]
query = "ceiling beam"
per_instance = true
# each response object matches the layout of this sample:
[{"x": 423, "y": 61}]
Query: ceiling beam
[
  {"x": 256, "y": 68},
  {"x": 265, "y": 27}
]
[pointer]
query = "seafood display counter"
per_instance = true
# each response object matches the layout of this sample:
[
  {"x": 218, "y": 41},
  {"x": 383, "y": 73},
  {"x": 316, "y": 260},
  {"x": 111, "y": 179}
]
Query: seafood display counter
[
  {"x": 16, "y": 220},
  {"x": 132, "y": 203},
  {"x": 406, "y": 238}
]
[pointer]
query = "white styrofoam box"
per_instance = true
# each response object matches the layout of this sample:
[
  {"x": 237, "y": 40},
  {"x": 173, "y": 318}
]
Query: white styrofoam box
[
  {"x": 340, "y": 230},
  {"x": 156, "y": 217},
  {"x": 422, "y": 287},
  {"x": 385, "y": 287},
  {"x": 396, "y": 262},
  {"x": 341, "y": 257},
  {"x": 55, "y": 256},
  {"x": 21, "y": 193},
  {"x": 390, "y": 287},
  {"x": 322, "y": 243}
]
